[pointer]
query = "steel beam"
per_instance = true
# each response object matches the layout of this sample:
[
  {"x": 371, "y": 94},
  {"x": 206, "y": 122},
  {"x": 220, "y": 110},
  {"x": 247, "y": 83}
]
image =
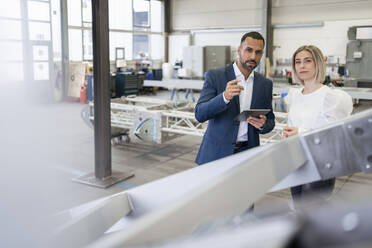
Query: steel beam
[
  {"x": 64, "y": 47},
  {"x": 177, "y": 205},
  {"x": 103, "y": 176}
]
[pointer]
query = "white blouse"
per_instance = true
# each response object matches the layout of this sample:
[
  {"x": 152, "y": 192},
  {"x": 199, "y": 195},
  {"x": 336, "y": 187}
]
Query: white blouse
[{"x": 319, "y": 108}]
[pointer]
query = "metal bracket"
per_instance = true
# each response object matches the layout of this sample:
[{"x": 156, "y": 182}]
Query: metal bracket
[
  {"x": 343, "y": 149},
  {"x": 330, "y": 155},
  {"x": 359, "y": 136}
]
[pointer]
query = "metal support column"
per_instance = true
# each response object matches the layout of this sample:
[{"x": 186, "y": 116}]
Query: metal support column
[
  {"x": 64, "y": 48},
  {"x": 27, "y": 55},
  {"x": 103, "y": 176},
  {"x": 267, "y": 32},
  {"x": 167, "y": 28}
]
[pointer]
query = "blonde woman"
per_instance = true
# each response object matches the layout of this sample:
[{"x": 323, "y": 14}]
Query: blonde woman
[{"x": 312, "y": 106}]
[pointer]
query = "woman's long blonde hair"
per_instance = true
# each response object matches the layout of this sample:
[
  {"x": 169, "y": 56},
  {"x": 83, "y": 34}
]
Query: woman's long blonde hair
[{"x": 318, "y": 60}]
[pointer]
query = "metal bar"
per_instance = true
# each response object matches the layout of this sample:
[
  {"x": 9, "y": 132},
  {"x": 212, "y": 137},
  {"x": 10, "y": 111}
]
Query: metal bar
[
  {"x": 27, "y": 55},
  {"x": 50, "y": 54},
  {"x": 180, "y": 114},
  {"x": 336, "y": 150},
  {"x": 299, "y": 25},
  {"x": 41, "y": 1},
  {"x": 199, "y": 133},
  {"x": 167, "y": 27},
  {"x": 231, "y": 184},
  {"x": 228, "y": 184},
  {"x": 241, "y": 29},
  {"x": 103, "y": 176},
  {"x": 64, "y": 47},
  {"x": 82, "y": 32},
  {"x": 189, "y": 123},
  {"x": 13, "y": 18},
  {"x": 109, "y": 210},
  {"x": 39, "y": 21},
  {"x": 115, "y": 30},
  {"x": 102, "y": 126},
  {"x": 176, "y": 123},
  {"x": 269, "y": 32},
  {"x": 262, "y": 65}
]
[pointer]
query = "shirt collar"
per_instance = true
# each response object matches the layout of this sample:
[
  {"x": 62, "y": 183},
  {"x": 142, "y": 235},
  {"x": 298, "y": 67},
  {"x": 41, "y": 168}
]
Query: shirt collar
[{"x": 238, "y": 73}]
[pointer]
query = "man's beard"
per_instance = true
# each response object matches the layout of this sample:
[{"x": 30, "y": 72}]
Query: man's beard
[{"x": 248, "y": 67}]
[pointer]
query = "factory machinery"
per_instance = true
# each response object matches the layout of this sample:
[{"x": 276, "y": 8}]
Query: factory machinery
[
  {"x": 141, "y": 119},
  {"x": 358, "y": 57},
  {"x": 206, "y": 206}
]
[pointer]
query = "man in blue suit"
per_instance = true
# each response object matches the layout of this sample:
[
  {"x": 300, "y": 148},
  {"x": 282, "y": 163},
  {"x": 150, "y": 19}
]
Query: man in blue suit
[{"x": 226, "y": 93}]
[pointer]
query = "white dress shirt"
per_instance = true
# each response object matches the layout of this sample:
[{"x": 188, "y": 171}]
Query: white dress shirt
[
  {"x": 319, "y": 108},
  {"x": 245, "y": 99}
]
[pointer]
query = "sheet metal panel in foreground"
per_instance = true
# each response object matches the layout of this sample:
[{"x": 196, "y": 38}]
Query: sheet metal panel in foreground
[{"x": 176, "y": 205}]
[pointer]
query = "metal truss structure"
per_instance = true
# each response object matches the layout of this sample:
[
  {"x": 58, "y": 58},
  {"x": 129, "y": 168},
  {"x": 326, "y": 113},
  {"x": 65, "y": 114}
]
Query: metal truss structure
[
  {"x": 182, "y": 123},
  {"x": 173, "y": 208},
  {"x": 145, "y": 119},
  {"x": 277, "y": 133}
]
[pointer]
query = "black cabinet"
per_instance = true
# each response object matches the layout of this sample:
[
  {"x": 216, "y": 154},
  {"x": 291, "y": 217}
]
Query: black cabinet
[{"x": 126, "y": 84}]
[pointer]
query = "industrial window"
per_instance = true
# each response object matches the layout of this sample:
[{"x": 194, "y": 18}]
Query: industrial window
[
  {"x": 13, "y": 30},
  {"x": 140, "y": 46},
  {"x": 133, "y": 24},
  {"x": 87, "y": 45},
  {"x": 25, "y": 49},
  {"x": 122, "y": 40},
  {"x": 157, "y": 46},
  {"x": 141, "y": 9},
  {"x": 10, "y": 9},
  {"x": 75, "y": 45},
  {"x": 120, "y": 14},
  {"x": 74, "y": 12},
  {"x": 156, "y": 16},
  {"x": 38, "y": 11}
]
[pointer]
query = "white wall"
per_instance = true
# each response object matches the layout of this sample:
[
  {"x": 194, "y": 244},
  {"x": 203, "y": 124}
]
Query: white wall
[
  {"x": 204, "y": 14},
  {"x": 233, "y": 18},
  {"x": 331, "y": 38},
  {"x": 337, "y": 16},
  {"x": 230, "y": 37},
  {"x": 304, "y": 11}
]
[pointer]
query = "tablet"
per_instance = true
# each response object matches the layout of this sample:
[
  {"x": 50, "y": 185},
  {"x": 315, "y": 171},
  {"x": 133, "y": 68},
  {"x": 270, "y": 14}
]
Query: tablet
[{"x": 251, "y": 112}]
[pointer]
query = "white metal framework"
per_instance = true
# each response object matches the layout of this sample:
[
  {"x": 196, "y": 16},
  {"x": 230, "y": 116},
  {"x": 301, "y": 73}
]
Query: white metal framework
[
  {"x": 145, "y": 119},
  {"x": 182, "y": 123}
]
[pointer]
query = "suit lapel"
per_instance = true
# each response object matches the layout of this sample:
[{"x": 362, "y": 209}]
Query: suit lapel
[{"x": 230, "y": 75}]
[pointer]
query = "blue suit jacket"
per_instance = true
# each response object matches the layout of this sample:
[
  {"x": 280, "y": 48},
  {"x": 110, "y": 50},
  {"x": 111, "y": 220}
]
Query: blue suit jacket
[{"x": 222, "y": 131}]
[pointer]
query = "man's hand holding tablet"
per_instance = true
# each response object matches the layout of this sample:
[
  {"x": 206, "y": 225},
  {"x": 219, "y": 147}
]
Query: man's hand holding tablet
[{"x": 255, "y": 117}]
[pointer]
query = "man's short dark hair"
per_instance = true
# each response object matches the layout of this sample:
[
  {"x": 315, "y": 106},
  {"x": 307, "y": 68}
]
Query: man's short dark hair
[{"x": 254, "y": 35}]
